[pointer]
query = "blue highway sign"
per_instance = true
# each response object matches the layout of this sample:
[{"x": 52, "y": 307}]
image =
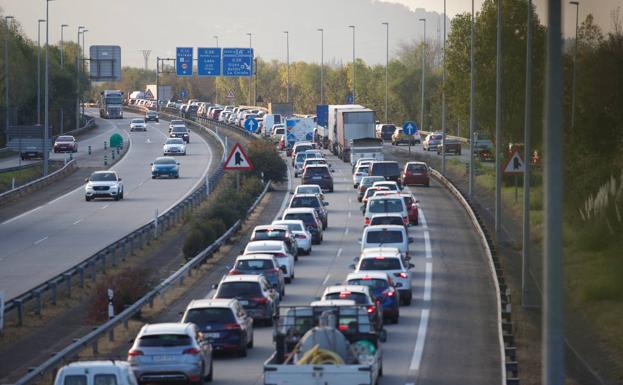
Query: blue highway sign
[
  {"x": 410, "y": 128},
  {"x": 184, "y": 61},
  {"x": 183, "y": 93},
  {"x": 250, "y": 124},
  {"x": 209, "y": 61},
  {"x": 237, "y": 61}
]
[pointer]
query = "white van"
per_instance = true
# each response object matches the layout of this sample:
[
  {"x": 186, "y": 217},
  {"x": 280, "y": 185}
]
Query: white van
[
  {"x": 386, "y": 236},
  {"x": 96, "y": 373}
]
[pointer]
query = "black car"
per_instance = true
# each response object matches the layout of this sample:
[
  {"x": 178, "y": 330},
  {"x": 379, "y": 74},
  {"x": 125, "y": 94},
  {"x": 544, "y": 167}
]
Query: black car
[
  {"x": 319, "y": 175},
  {"x": 151, "y": 116},
  {"x": 313, "y": 201},
  {"x": 387, "y": 169},
  {"x": 180, "y": 132}
]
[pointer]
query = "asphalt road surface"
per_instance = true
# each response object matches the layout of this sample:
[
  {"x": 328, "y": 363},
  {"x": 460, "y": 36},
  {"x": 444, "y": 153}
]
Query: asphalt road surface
[{"x": 48, "y": 239}]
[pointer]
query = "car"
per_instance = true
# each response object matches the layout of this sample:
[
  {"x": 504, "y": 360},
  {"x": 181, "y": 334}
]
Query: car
[
  {"x": 65, "y": 143},
  {"x": 313, "y": 201},
  {"x": 363, "y": 161},
  {"x": 412, "y": 208},
  {"x": 180, "y": 132},
  {"x": 362, "y": 296},
  {"x": 387, "y": 169},
  {"x": 264, "y": 264},
  {"x": 309, "y": 189},
  {"x": 365, "y": 183},
  {"x": 313, "y": 153},
  {"x": 276, "y": 233},
  {"x": 415, "y": 173},
  {"x": 298, "y": 161},
  {"x": 174, "y": 146},
  {"x": 165, "y": 166},
  {"x": 386, "y": 236},
  {"x": 171, "y": 352},
  {"x": 312, "y": 162},
  {"x": 176, "y": 122},
  {"x": 431, "y": 141},
  {"x": 103, "y": 184},
  {"x": 302, "y": 236},
  {"x": 300, "y": 147},
  {"x": 360, "y": 172},
  {"x": 310, "y": 218},
  {"x": 223, "y": 322},
  {"x": 320, "y": 175},
  {"x": 386, "y": 204},
  {"x": 256, "y": 295},
  {"x": 399, "y": 136},
  {"x": 391, "y": 185},
  {"x": 390, "y": 261},
  {"x": 382, "y": 287},
  {"x": 452, "y": 146},
  {"x": 385, "y": 131},
  {"x": 279, "y": 250},
  {"x": 151, "y": 116},
  {"x": 370, "y": 192},
  {"x": 138, "y": 124},
  {"x": 94, "y": 372}
]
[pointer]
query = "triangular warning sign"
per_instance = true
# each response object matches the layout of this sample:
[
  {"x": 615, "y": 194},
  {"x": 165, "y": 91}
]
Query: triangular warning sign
[
  {"x": 515, "y": 164},
  {"x": 231, "y": 95},
  {"x": 237, "y": 159}
]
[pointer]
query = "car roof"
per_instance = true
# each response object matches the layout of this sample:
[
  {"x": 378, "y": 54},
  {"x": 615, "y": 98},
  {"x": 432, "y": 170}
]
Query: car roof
[
  {"x": 271, "y": 242},
  {"x": 289, "y": 221},
  {"x": 392, "y": 195},
  {"x": 386, "y": 215},
  {"x": 210, "y": 302},
  {"x": 104, "y": 172},
  {"x": 351, "y": 288},
  {"x": 300, "y": 210},
  {"x": 333, "y": 302},
  {"x": 308, "y": 186},
  {"x": 385, "y": 228},
  {"x": 368, "y": 274},
  {"x": 370, "y": 252},
  {"x": 414, "y": 162},
  {"x": 242, "y": 278},
  {"x": 270, "y": 227},
  {"x": 247, "y": 257},
  {"x": 305, "y": 196},
  {"x": 166, "y": 327},
  {"x": 100, "y": 364}
]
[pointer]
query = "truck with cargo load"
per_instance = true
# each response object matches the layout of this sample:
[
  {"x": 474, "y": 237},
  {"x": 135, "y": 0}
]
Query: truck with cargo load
[
  {"x": 332, "y": 112},
  {"x": 327, "y": 342},
  {"x": 111, "y": 104},
  {"x": 352, "y": 125}
]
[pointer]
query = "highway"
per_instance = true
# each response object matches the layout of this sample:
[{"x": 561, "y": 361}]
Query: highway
[
  {"x": 48, "y": 239},
  {"x": 448, "y": 335}
]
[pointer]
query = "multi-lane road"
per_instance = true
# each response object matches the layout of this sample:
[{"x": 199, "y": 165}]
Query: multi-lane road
[{"x": 48, "y": 239}]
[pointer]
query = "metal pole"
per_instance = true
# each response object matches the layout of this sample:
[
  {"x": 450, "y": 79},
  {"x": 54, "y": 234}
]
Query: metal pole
[
  {"x": 287, "y": 65},
  {"x": 215, "y": 85},
  {"x": 46, "y": 128},
  {"x": 321, "y": 65},
  {"x": 386, "y": 24},
  {"x": 553, "y": 368},
  {"x": 78, "y": 77},
  {"x": 423, "y": 78},
  {"x": 158, "y": 83},
  {"x": 525, "y": 250},
  {"x": 575, "y": 55},
  {"x": 498, "y": 126},
  {"x": 62, "y": 67},
  {"x": 39, "y": 69},
  {"x": 353, "y": 27},
  {"x": 83, "y": 66},
  {"x": 6, "y": 78},
  {"x": 472, "y": 115},
  {"x": 250, "y": 77},
  {"x": 443, "y": 97}
]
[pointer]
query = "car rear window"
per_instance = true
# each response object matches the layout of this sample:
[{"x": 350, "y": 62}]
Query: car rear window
[
  {"x": 105, "y": 379},
  {"x": 388, "y": 129},
  {"x": 369, "y": 181},
  {"x": 384, "y": 236},
  {"x": 164, "y": 340},
  {"x": 435, "y": 137},
  {"x": 417, "y": 168},
  {"x": 380, "y": 264},
  {"x": 359, "y": 298},
  {"x": 386, "y": 220},
  {"x": 178, "y": 129},
  {"x": 265, "y": 234},
  {"x": 207, "y": 315},
  {"x": 307, "y": 218},
  {"x": 370, "y": 282},
  {"x": 300, "y": 157},
  {"x": 385, "y": 205},
  {"x": 308, "y": 190},
  {"x": 305, "y": 202},
  {"x": 254, "y": 264},
  {"x": 75, "y": 379},
  {"x": 317, "y": 171},
  {"x": 239, "y": 289},
  {"x": 303, "y": 148},
  {"x": 385, "y": 168}
]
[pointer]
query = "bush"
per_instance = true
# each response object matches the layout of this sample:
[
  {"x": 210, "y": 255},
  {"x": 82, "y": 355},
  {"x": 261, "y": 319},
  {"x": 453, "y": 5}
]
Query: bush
[
  {"x": 266, "y": 159},
  {"x": 128, "y": 287},
  {"x": 193, "y": 243}
]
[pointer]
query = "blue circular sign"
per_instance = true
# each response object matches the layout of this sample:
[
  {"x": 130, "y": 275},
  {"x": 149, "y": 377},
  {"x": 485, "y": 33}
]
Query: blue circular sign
[
  {"x": 409, "y": 128},
  {"x": 250, "y": 124}
]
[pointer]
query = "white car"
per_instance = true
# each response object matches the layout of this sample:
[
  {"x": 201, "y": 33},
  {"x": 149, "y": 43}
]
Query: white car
[
  {"x": 91, "y": 372},
  {"x": 174, "y": 146},
  {"x": 360, "y": 172},
  {"x": 302, "y": 236},
  {"x": 276, "y": 248},
  {"x": 309, "y": 189},
  {"x": 103, "y": 184},
  {"x": 390, "y": 203},
  {"x": 138, "y": 124}
]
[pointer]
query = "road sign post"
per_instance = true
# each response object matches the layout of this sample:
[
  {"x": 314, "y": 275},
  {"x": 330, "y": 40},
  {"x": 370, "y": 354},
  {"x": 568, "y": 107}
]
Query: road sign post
[
  {"x": 250, "y": 124},
  {"x": 184, "y": 61},
  {"x": 409, "y": 128},
  {"x": 515, "y": 166},
  {"x": 237, "y": 160}
]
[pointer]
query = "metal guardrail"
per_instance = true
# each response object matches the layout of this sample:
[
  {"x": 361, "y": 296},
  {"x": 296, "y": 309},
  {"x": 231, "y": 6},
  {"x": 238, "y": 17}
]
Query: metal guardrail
[
  {"x": 91, "y": 339},
  {"x": 508, "y": 350}
]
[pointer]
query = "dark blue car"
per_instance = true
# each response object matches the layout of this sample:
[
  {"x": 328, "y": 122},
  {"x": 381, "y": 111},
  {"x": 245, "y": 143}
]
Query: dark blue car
[
  {"x": 383, "y": 290},
  {"x": 165, "y": 166}
]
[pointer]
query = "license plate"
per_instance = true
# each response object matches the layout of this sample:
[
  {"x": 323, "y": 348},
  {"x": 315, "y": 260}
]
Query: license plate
[
  {"x": 316, "y": 177},
  {"x": 212, "y": 335},
  {"x": 164, "y": 358},
  {"x": 243, "y": 302}
]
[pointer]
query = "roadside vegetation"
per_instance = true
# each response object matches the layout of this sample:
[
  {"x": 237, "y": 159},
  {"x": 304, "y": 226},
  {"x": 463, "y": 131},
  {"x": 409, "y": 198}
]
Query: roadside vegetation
[{"x": 23, "y": 176}]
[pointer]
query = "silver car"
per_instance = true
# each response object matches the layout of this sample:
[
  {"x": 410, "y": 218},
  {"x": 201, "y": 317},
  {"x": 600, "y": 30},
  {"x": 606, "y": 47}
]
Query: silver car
[
  {"x": 174, "y": 146},
  {"x": 171, "y": 352}
]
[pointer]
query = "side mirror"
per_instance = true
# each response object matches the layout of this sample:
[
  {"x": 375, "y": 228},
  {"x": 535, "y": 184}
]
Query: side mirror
[
  {"x": 214, "y": 286},
  {"x": 275, "y": 286},
  {"x": 119, "y": 179},
  {"x": 355, "y": 259},
  {"x": 178, "y": 163},
  {"x": 151, "y": 164},
  {"x": 383, "y": 335},
  {"x": 325, "y": 203},
  {"x": 284, "y": 269},
  {"x": 407, "y": 258},
  {"x": 352, "y": 266},
  {"x": 181, "y": 313},
  {"x": 86, "y": 180},
  {"x": 411, "y": 239},
  {"x": 417, "y": 201},
  {"x": 291, "y": 192},
  {"x": 411, "y": 266}
]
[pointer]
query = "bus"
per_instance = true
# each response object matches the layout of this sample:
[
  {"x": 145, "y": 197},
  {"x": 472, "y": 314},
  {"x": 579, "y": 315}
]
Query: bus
[{"x": 111, "y": 104}]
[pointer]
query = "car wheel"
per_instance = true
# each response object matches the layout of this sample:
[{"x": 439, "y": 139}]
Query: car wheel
[
  {"x": 177, "y": 176},
  {"x": 210, "y": 375},
  {"x": 287, "y": 279},
  {"x": 116, "y": 198},
  {"x": 153, "y": 177},
  {"x": 87, "y": 198},
  {"x": 242, "y": 352},
  {"x": 250, "y": 343},
  {"x": 407, "y": 301},
  {"x": 427, "y": 184},
  {"x": 121, "y": 195}
]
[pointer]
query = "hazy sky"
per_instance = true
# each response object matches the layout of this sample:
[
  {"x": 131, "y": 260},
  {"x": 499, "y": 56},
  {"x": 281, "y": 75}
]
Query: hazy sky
[{"x": 161, "y": 25}]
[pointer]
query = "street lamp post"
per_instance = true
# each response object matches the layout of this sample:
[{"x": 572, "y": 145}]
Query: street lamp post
[
  {"x": 250, "y": 77},
  {"x": 215, "y": 85},
  {"x": 472, "y": 116},
  {"x": 80, "y": 28},
  {"x": 423, "y": 78},
  {"x": 443, "y": 97},
  {"x": 39, "y": 69},
  {"x": 288, "y": 65},
  {"x": 353, "y": 28},
  {"x": 386, "y": 24},
  {"x": 84, "y": 67},
  {"x": 575, "y": 55},
  {"x": 62, "y": 65},
  {"x": 6, "y": 76},
  {"x": 498, "y": 126},
  {"x": 46, "y": 129},
  {"x": 321, "y": 30}
]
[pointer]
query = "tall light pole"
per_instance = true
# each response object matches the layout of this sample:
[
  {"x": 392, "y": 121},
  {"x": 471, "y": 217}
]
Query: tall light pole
[
  {"x": 6, "y": 77},
  {"x": 62, "y": 65},
  {"x": 575, "y": 55},
  {"x": 353, "y": 28},
  {"x": 250, "y": 77},
  {"x": 423, "y": 78},
  {"x": 443, "y": 97},
  {"x": 386, "y": 24},
  {"x": 321, "y": 30},
  {"x": 46, "y": 120},
  {"x": 215, "y": 85},
  {"x": 472, "y": 115},
  {"x": 80, "y": 28},
  {"x": 84, "y": 31},
  {"x": 39, "y": 69},
  {"x": 287, "y": 65},
  {"x": 498, "y": 126},
  {"x": 216, "y": 39}
]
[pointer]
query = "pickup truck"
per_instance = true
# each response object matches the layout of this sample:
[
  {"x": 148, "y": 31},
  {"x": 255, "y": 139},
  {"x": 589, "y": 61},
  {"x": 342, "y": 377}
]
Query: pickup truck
[{"x": 324, "y": 343}]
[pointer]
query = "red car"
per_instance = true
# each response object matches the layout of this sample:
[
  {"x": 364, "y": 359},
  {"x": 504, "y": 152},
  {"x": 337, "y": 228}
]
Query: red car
[
  {"x": 412, "y": 208},
  {"x": 415, "y": 173},
  {"x": 65, "y": 143}
]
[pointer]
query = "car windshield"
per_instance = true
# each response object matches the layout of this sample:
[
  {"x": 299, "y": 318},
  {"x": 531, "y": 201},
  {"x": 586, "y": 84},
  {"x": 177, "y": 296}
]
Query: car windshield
[
  {"x": 65, "y": 139},
  {"x": 254, "y": 264},
  {"x": 174, "y": 141},
  {"x": 138, "y": 121},
  {"x": 305, "y": 202},
  {"x": 380, "y": 263},
  {"x": 359, "y": 298},
  {"x": 435, "y": 137},
  {"x": 307, "y": 218},
  {"x": 385, "y": 205},
  {"x": 164, "y": 161},
  {"x": 164, "y": 340},
  {"x": 178, "y": 129},
  {"x": 207, "y": 315},
  {"x": 317, "y": 171},
  {"x": 174, "y": 122},
  {"x": 374, "y": 283},
  {"x": 151, "y": 113},
  {"x": 384, "y": 236},
  {"x": 103, "y": 177},
  {"x": 417, "y": 168},
  {"x": 386, "y": 220},
  {"x": 308, "y": 190},
  {"x": 266, "y": 234},
  {"x": 381, "y": 168},
  {"x": 280, "y": 131},
  {"x": 239, "y": 289},
  {"x": 387, "y": 129}
]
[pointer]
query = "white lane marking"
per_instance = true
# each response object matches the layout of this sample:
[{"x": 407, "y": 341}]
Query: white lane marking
[
  {"x": 410, "y": 383},
  {"x": 427, "y": 248},
  {"x": 326, "y": 279},
  {"x": 78, "y": 221},
  {"x": 339, "y": 252},
  {"x": 423, "y": 219},
  {"x": 41, "y": 240},
  {"x": 346, "y": 231},
  {"x": 350, "y": 200},
  {"x": 21, "y": 215},
  {"x": 418, "y": 351},
  {"x": 350, "y": 214},
  {"x": 105, "y": 206},
  {"x": 344, "y": 179},
  {"x": 148, "y": 140},
  {"x": 428, "y": 280},
  {"x": 285, "y": 199}
]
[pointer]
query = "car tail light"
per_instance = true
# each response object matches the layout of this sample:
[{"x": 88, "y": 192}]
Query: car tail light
[
  {"x": 405, "y": 220},
  {"x": 135, "y": 353},
  {"x": 301, "y": 236},
  {"x": 232, "y": 326},
  {"x": 366, "y": 221},
  {"x": 401, "y": 275},
  {"x": 280, "y": 255},
  {"x": 343, "y": 327},
  {"x": 235, "y": 272},
  {"x": 358, "y": 174},
  {"x": 260, "y": 300},
  {"x": 371, "y": 309},
  {"x": 390, "y": 293},
  {"x": 191, "y": 351}
]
